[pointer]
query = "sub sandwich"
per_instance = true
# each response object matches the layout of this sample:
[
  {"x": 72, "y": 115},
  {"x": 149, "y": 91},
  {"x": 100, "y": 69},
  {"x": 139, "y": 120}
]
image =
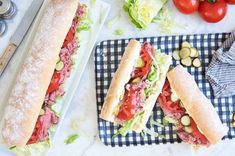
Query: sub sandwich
[
  {"x": 135, "y": 87},
  {"x": 29, "y": 114},
  {"x": 194, "y": 116}
]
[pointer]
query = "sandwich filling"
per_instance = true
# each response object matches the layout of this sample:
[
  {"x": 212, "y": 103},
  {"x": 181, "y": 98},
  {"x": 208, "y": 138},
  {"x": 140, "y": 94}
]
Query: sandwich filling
[
  {"x": 142, "y": 84},
  {"x": 48, "y": 117},
  {"x": 186, "y": 127}
]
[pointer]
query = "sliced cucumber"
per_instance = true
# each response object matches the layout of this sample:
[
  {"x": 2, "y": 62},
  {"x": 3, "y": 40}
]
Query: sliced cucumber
[
  {"x": 139, "y": 63},
  {"x": 188, "y": 129},
  {"x": 175, "y": 55},
  {"x": 59, "y": 66},
  {"x": 186, "y": 44},
  {"x": 193, "y": 52},
  {"x": 197, "y": 62},
  {"x": 185, "y": 120},
  {"x": 174, "y": 97},
  {"x": 187, "y": 61},
  {"x": 136, "y": 80},
  {"x": 184, "y": 53}
]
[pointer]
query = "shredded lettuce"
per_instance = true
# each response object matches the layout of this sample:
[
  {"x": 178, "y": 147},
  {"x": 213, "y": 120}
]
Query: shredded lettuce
[
  {"x": 153, "y": 74},
  {"x": 118, "y": 32},
  {"x": 71, "y": 138},
  {"x": 74, "y": 125},
  {"x": 151, "y": 133},
  {"x": 165, "y": 21},
  {"x": 155, "y": 123},
  {"x": 128, "y": 125},
  {"x": 85, "y": 23},
  {"x": 33, "y": 149},
  {"x": 57, "y": 109},
  {"x": 142, "y": 12},
  {"x": 159, "y": 65},
  {"x": 169, "y": 120}
]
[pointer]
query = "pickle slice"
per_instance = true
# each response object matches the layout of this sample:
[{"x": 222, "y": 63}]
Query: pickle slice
[
  {"x": 184, "y": 53},
  {"x": 186, "y": 44},
  {"x": 185, "y": 120},
  {"x": 197, "y": 62},
  {"x": 194, "y": 52},
  {"x": 139, "y": 63},
  {"x": 59, "y": 66},
  {"x": 186, "y": 62}
]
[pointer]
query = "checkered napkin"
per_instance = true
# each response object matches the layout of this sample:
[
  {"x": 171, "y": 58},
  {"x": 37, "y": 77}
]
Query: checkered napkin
[
  {"x": 107, "y": 57},
  {"x": 221, "y": 71}
]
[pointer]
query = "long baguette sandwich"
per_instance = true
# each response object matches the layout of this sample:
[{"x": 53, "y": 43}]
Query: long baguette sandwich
[
  {"x": 135, "y": 87},
  {"x": 30, "y": 112},
  {"x": 194, "y": 116}
]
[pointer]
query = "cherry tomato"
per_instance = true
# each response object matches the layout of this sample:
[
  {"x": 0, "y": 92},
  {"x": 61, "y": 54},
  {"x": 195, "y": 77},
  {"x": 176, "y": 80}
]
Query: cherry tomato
[
  {"x": 230, "y": 1},
  {"x": 54, "y": 83},
  {"x": 212, "y": 11},
  {"x": 187, "y": 6}
]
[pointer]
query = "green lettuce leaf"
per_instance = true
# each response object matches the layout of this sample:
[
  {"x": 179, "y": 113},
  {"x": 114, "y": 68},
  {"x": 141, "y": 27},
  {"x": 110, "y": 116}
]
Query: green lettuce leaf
[
  {"x": 37, "y": 149},
  {"x": 142, "y": 12},
  {"x": 127, "y": 126},
  {"x": 71, "y": 138},
  {"x": 85, "y": 24}
]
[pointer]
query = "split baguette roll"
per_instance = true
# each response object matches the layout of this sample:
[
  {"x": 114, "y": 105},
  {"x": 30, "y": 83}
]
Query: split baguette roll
[
  {"x": 122, "y": 77},
  {"x": 32, "y": 82},
  {"x": 196, "y": 104}
]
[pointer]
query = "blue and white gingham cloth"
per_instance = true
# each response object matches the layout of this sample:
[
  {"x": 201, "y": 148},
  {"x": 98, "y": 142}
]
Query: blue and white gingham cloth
[
  {"x": 107, "y": 57},
  {"x": 221, "y": 71}
]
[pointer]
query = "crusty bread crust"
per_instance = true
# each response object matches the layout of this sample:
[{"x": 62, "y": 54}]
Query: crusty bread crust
[
  {"x": 120, "y": 78},
  {"x": 31, "y": 84},
  {"x": 196, "y": 104}
]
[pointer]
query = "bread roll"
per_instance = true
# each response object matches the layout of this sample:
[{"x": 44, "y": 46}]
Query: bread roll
[
  {"x": 196, "y": 104},
  {"x": 120, "y": 78},
  {"x": 32, "y": 82}
]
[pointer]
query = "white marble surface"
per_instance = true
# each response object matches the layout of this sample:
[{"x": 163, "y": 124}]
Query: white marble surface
[{"x": 83, "y": 107}]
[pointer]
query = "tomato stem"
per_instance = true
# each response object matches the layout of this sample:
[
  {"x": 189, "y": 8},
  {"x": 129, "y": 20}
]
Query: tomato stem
[{"x": 211, "y": 1}]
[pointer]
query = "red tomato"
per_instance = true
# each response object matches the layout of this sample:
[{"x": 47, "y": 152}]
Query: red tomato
[
  {"x": 128, "y": 108},
  {"x": 145, "y": 50},
  {"x": 230, "y": 1},
  {"x": 34, "y": 137},
  {"x": 54, "y": 83},
  {"x": 197, "y": 133},
  {"x": 212, "y": 11},
  {"x": 69, "y": 37},
  {"x": 187, "y": 6}
]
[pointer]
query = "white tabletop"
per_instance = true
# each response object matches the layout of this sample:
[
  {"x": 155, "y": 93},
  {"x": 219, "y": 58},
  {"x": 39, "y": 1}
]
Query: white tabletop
[{"x": 83, "y": 109}]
